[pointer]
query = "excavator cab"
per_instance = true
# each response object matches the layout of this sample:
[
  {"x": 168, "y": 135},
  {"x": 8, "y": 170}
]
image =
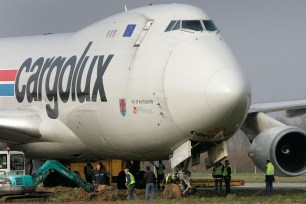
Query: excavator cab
[
  {"x": 12, "y": 163},
  {"x": 12, "y": 174}
]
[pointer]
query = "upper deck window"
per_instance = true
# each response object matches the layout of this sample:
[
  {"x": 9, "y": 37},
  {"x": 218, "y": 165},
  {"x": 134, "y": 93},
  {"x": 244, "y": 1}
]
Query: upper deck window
[
  {"x": 209, "y": 25},
  {"x": 192, "y": 25}
]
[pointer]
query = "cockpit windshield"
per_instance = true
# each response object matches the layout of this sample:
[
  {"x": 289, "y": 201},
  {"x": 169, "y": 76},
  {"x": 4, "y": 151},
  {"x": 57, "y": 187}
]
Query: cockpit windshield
[
  {"x": 191, "y": 25},
  {"x": 170, "y": 26},
  {"x": 209, "y": 25}
]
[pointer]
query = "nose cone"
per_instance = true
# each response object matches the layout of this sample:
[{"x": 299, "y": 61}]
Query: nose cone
[
  {"x": 225, "y": 89},
  {"x": 205, "y": 89}
]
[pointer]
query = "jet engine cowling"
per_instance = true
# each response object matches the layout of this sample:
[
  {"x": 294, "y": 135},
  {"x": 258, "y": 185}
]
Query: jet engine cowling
[{"x": 285, "y": 146}]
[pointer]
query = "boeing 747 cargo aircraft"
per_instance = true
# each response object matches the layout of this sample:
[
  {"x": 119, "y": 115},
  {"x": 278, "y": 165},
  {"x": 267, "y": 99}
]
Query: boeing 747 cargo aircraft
[{"x": 146, "y": 84}]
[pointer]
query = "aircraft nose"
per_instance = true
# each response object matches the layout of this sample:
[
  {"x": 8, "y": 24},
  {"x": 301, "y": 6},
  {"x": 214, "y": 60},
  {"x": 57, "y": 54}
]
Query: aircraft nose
[
  {"x": 225, "y": 88},
  {"x": 205, "y": 88}
]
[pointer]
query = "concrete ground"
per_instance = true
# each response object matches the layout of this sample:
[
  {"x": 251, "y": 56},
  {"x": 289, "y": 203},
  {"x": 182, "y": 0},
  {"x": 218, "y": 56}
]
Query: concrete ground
[{"x": 275, "y": 186}]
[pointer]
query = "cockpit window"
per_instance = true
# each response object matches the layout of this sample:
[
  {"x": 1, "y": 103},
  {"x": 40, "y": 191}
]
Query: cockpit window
[
  {"x": 177, "y": 25},
  {"x": 209, "y": 25},
  {"x": 170, "y": 26},
  {"x": 192, "y": 25}
]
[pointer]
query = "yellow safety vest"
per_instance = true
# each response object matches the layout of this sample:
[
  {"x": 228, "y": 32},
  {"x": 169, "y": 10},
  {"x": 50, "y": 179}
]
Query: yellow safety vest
[
  {"x": 160, "y": 171},
  {"x": 269, "y": 169},
  {"x": 218, "y": 170},
  {"x": 167, "y": 179},
  {"x": 225, "y": 173},
  {"x": 132, "y": 179}
]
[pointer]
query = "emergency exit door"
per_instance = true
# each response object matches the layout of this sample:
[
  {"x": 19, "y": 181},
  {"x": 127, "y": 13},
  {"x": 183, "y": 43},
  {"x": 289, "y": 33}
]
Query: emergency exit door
[{"x": 143, "y": 33}]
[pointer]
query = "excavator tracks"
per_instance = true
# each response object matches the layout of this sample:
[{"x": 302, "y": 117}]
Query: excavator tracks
[{"x": 31, "y": 197}]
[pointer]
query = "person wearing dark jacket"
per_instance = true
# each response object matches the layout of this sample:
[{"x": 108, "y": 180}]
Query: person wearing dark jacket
[
  {"x": 99, "y": 176},
  {"x": 88, "y": 169},
  {"x": 149, "y": 179}
]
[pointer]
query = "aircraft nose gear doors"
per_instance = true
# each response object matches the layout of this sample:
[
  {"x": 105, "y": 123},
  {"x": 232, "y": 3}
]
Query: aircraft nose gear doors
[{"x": 179, "y": 161}]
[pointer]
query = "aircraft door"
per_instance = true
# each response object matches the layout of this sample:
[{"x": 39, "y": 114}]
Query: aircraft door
[{"x": 143, "y": 33}]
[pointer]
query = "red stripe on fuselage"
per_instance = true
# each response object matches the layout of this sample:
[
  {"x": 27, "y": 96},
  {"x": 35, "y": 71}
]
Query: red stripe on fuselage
[{"x": 8, "y": 75}]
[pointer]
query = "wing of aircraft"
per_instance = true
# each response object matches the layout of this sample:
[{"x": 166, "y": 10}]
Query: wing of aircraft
[{"x": 298, "y": 106}]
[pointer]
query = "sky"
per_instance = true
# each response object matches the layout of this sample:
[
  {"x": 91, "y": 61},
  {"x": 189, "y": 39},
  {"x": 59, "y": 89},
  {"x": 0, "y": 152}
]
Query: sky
[{"x": 268, "y": 37}]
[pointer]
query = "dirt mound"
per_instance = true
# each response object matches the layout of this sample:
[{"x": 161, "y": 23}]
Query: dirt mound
[
  {"x": 172, "y": 191},
  {"x": 102, "y": 193}
]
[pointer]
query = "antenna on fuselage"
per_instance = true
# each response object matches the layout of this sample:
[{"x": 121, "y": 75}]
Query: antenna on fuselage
[{"x": 125, "y": 8}]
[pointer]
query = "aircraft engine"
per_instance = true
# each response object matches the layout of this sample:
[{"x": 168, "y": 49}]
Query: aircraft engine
[{"x": 284, "y": 145}]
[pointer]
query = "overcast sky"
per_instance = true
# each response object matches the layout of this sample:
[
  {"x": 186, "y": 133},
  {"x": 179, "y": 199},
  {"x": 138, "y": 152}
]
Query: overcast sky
[{"x": 268, "y": 37}]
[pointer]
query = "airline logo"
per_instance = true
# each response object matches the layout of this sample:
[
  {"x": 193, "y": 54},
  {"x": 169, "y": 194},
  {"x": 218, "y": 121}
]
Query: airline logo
[
  {"x": 122, "y": 105},
  {"x": 129, "y": 30},
  {"x": 66, "y": 85},
  {"x": 7, "y": 82}
]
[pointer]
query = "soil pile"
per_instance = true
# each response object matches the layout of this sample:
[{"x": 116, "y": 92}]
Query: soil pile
[{"x": 102, "y": 193}]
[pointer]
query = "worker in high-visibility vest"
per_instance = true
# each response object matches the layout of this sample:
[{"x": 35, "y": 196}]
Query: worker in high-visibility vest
[
  {"x": 168, "y": 179},
  {"x": 269, "y": 177},
  {"x": 160, "y": 173},
  {"x": 218, "y": 176},
  {"x": 130, "y": 184},
  {"x": 227, "y": 177}
]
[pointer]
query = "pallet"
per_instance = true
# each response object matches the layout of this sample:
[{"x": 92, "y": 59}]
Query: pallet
[{"x": 211, "y": 182}]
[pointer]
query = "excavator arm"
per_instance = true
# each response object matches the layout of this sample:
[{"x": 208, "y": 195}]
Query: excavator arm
[{"x": 51, "y": 165}]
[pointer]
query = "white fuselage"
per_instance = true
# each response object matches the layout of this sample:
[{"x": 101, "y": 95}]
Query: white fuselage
[{"x": 124, "y": 88}]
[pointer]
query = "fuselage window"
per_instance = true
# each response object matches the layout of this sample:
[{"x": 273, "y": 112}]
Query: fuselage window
[
  {"x": 170, "y": 26},
  {"x": 192, "y": 25},
  {"x": 209, "y": 25}
]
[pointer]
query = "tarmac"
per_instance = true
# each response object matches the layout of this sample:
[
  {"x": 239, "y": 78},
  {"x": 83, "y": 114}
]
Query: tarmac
[
  {"x": 259, "y": 186},
  {"x": 301, "y": 186}
]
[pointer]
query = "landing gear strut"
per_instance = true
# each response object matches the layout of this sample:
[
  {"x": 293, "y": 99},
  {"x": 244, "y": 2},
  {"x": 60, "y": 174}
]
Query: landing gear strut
[
  {"x": 179, "y": 163},
  {"x": 182, "y": 174}
]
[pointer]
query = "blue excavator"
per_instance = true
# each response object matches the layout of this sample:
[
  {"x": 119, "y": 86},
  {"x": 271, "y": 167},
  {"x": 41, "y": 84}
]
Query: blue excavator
[{"x": 14, "y": 181}]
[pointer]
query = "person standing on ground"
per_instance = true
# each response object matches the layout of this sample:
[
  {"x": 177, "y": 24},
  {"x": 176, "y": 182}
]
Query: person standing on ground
[
  {"x": 149, "y": 179},
  {"x": 130, "y": 184},
  {"x": 218, "y": 176},
  {"x": 99, "y": 176},
  {"x": 88, "y": 169},
  {"x": 227, "y": 177},
  {"x": 269, "y": 177},
  {"x": 160, "y": 173}
]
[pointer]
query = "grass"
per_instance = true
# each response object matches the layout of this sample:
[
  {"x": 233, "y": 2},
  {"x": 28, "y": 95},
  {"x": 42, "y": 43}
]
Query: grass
[{"x": 256, "y": 178}]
